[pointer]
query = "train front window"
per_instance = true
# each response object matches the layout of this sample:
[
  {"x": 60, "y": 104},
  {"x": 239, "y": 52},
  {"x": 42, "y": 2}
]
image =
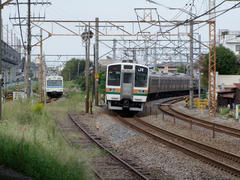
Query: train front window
[
  {"x": 141, "y": 76},
  {"x": 127, "y": 78},
  {"x": 114, "y": 74},
  {"x": 54, "y": 83}
]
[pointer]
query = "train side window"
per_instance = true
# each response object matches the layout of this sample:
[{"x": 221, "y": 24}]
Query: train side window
[{"x": 141, "y": 76}]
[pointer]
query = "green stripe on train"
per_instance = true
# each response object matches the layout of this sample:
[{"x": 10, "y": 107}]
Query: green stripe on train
[
  {"x": 140, "y": 94},
  {"x": 133, "y": 94},
  {"x": 113, "y": 93}
]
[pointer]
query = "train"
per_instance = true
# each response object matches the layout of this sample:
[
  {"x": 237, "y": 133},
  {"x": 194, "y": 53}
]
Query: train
[
  {"x": 130, "y": 85},
  {"x": 54, "y": 86}
]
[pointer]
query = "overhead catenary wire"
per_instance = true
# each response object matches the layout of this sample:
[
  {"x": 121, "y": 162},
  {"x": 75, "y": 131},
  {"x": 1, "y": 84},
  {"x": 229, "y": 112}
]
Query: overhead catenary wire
[
  {"x": 20, "y": 25},
  {"x": 225, "y": 11},
  {"x": 196, "y": 17}
]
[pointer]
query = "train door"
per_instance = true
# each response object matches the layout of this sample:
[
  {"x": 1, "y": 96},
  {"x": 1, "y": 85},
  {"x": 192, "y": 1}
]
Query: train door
[{"x": 127, "y": 85}]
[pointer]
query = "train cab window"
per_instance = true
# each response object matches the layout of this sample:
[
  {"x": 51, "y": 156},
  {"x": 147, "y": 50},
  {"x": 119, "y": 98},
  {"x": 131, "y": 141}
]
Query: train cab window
[
  {"x": 114, "y": 74},
  {"x": 141, "y": 76},
  {"x": 127, "y": 78},
  {"x": 54, "y": 83}
]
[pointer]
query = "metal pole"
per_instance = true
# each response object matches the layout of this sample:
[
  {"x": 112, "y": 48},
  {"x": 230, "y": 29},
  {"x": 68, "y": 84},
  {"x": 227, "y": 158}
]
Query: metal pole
[
  {"x": 212, "y": 61},
  {"x": 191, "y": 62},
  {"x": 41, "y": 69},
  {"x": 7, "y": 35},
  {"x": 29, "y": 52},
  {"x": 114, "y": 49},
  {"x": 96, "y": 60},
  {"x": 12, "y": 38},
  {"x": 200, "y": 52},
  {"x": 134, "y": 56},
  {"x": 87, "y": 48},
  {"x": 199, "y": 84},
  {"x": 155, "y": 57},
  {"x": 78, "y": 68},
  {"x": 1, "y": 61},
  {"x": 25, "y": 71},
  {"x": 93, "y": 73}
]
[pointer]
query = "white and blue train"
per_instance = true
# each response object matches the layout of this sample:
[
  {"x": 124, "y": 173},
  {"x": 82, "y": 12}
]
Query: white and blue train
[
  {"x": 130, "y": 85},
  {"x": 54, "y": 86}
]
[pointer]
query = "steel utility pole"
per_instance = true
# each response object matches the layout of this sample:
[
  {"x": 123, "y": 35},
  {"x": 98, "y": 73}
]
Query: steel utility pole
[
  {"x": 41, "y": 69},
  {"x": 212, "y": 104},
  {"x": 1, "y": 60},
  {"x": 87, "y": 49},
  {"x": 29, "y": 48},
  {"x": 96, "y": 60},
  {"x": 155, "y": 57},
  {"x": 25, "y": 71},
  {"x": 191, "y": 60},
  {"x": 114, "y": 49}
]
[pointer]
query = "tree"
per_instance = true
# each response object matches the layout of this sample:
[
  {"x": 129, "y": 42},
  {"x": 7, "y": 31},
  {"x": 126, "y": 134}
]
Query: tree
[
  {"x": 73, "y": 69},
  {"x": 226, "y": 63},
  {"x": 181, "y": 69},
  {"x": 102, "y": 81}
]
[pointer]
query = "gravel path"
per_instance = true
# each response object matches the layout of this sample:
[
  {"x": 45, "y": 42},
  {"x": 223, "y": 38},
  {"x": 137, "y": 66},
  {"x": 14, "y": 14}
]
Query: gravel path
[{"x": 161, "y": 161}]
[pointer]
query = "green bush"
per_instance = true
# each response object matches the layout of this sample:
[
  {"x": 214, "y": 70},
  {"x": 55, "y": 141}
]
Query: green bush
[
  {"x": 204, "y": 95},
  {"x": 224, "y": 111},
  {"x": 35, "y": 88},
  {"x": 38, "y": 109}
]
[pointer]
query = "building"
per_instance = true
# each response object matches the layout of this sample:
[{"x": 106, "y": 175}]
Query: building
[
  {"x": 228, "y": 90},
  {"x": 230, "y": 39},
  {"x": 171, "y": 67},
  {"x": 104, "y": 62},
  {"x": 11, "y": 58}
]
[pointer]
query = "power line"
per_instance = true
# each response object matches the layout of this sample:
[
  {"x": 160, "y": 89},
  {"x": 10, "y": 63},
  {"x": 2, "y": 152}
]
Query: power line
[
  {"x": 196, "y": 17},
  {"x": 225, "y": 11},
  {"x": 20, "y": 25}
]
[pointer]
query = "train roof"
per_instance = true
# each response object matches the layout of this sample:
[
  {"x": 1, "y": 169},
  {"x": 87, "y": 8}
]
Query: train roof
[
  {"x": 127, "y": 63},
  {"x": 169, "y": 75},
  {"x": 54, "y": 77}
]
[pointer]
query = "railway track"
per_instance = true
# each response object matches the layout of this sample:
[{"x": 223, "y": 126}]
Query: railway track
[
  {"x": 215, "y": 127},
  {"x": 51, "y": 100},
  {"x": 110, "y": 166},
  {"x": 215, "y": 157}
]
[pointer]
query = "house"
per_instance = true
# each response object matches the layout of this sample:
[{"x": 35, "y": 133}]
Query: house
[{"x": 230, "y": 39}]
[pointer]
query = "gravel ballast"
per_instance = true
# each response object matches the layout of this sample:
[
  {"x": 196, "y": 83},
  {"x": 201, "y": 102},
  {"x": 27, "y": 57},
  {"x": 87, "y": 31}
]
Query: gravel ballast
[{"x": 160, "y": 160}]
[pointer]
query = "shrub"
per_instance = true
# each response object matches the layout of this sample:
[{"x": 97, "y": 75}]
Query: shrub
[
  {"x": 224, "y": 111},
  {"x": 38, "y": 108}
]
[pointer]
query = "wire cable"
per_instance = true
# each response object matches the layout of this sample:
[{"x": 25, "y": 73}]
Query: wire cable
[
  {"x": 20, "y": 25},
  {"x": 196, "y": 17}
]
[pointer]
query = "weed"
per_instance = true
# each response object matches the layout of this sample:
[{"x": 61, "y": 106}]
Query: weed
[
  {"x": 224, "y": 111},
  {"x": 38, "y": 108}
]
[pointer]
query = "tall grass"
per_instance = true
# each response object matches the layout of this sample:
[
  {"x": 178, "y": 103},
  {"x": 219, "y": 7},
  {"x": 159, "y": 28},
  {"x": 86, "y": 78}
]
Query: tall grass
[{"x": 31, "y": 144}]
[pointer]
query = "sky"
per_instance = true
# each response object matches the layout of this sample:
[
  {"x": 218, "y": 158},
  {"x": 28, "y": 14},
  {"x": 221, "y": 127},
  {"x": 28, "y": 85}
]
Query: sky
[{"x": 109, "y": 10}]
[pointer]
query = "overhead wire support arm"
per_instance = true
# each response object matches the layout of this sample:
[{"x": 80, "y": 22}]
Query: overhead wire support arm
[
  {"x": 6, "y": 3},
  {"x": 32, "y": 3}
]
